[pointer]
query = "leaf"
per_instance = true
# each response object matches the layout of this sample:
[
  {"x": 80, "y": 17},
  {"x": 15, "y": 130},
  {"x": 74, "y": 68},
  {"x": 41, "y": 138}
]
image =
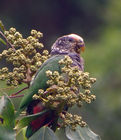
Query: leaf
[
  {"x": 81, "y": 133},
  {"x": 6, "y": 134},
  {"x": 61, "y": 134},
  {"x": 4, "y": 88},
  {"x": 7, "y": 112},
  {"x": 25, "y": 121},
  {"x": 44, "y": 133},
  {"x": 21, "y": 135},
  {"x": 8, "y": 119},
  {"x": 2, "y": 41},
  {"x": 10, "y": 89},
  {"x": 2, "y": 26}
]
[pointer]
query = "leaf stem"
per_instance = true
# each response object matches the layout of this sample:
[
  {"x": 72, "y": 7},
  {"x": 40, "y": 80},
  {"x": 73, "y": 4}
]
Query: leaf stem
[{"x": 14, "y": 94}]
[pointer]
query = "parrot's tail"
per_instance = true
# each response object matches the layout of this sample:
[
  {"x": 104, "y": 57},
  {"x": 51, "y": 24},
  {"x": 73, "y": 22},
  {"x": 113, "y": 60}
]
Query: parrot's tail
[{"x": 48, "y": 118}]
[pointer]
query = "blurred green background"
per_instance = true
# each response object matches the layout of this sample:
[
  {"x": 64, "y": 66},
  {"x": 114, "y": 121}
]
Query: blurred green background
[{"x": 99, "y": 23}]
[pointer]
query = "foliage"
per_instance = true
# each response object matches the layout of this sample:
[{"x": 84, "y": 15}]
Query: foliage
[
  {"x": 98, "y": 21},
  {"x": 24, "y": 55},
  {"x": 81, "y": 133},
  {"x": 63, "y": 92},
  {"x": 7, "y": 119}
]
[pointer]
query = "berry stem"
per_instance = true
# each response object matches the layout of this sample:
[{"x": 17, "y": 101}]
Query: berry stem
[{"x": 14, "y": 94}]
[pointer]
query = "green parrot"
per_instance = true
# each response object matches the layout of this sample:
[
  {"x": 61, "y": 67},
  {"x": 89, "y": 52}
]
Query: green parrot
[{"x": 71, "y": 45}]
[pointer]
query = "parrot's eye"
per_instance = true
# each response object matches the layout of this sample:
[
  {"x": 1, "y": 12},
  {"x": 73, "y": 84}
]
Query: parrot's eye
[{"x": 71, "y": 40}]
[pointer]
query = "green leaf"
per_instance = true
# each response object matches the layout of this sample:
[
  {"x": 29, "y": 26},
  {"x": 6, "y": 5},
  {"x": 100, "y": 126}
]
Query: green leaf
[
  {"x": 81, "y": 133},
  {"x": 25, "y": 121},
  {"x": 2, "y": 41},
  {"x": 6, "y": 134},
  {"x": 4, "y": 88},
  {"x": 7, "y": 112},
  {"x": 21, "y": 135},
  {"x": 2, "y": 26},
  {"x": 61, "y": 134},
  {"x": 7, "y": 115},
  {"x": 44, "y": 133}
]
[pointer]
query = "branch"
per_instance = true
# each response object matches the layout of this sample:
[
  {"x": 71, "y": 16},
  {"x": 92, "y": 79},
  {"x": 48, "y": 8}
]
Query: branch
[
  {"x": 19, "y": 91},
  {"x": 16, "y": 96},
  {"x": 7, "y": 42},
  {"x": 28, "y": 77}
]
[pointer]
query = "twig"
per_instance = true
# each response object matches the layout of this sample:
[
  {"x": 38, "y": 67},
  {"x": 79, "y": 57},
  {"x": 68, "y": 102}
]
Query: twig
[
  {"x": 28, "y": 76},
  {"x": 16, "y": 96},
  {"x": 8, "y": 43},
  {"x": 19, "y": 91}
]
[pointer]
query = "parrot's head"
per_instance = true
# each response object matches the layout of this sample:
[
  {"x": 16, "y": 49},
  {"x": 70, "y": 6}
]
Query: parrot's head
[{"x": 71, "y": 43}]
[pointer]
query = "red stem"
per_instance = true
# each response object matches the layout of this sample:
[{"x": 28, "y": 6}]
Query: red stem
[
  {"x": 16, "y": 96},
  {"x": 19, "y": 91}
]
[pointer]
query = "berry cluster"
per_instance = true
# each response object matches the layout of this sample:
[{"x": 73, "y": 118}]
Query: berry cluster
[
  {"x": 24, "y": 56},
  {"x": 71, "y": 87}
]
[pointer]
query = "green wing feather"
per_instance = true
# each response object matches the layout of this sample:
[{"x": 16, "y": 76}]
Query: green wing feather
[{"x": 41, "y": 79}]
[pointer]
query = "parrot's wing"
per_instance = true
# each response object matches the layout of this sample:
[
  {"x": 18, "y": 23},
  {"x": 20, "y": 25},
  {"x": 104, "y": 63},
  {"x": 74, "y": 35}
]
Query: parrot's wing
[
  {"x": 40, "y": 121},
  {"x": 40, "y": 79}
]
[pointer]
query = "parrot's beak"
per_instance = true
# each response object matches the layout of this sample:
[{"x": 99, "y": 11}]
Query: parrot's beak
[
  {"x": 79, "y": 46},
  {"x": 82, "y": 46}
]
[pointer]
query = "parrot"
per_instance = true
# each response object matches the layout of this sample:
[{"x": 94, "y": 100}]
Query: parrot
[{"x": 71, "y": 45}]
